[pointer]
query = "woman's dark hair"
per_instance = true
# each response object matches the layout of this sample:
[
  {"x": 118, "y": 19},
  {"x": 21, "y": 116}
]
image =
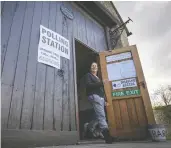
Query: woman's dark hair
[{"x": 91, "y": 64}]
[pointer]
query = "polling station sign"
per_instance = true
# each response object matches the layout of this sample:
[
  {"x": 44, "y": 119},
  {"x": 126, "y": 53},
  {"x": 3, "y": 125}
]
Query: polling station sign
[
  {"x": 51, "y": 47},
  {"x": 51, "y": 39},
  {"x": 124, "y": 83}
]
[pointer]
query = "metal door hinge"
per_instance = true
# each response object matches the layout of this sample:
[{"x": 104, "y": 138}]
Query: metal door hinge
[{"x": 142, "y": 84}]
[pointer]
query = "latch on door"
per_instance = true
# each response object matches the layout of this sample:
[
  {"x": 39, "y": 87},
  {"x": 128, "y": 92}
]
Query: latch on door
[{"x": 142, "y": 84}]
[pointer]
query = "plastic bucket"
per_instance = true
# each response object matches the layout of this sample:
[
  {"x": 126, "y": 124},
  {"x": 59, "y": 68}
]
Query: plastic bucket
[{"x": 157, "y": 132}]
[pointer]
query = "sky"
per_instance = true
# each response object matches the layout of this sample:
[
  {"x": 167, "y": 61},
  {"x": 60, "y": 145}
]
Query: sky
[{"x": 151, "y": 28}]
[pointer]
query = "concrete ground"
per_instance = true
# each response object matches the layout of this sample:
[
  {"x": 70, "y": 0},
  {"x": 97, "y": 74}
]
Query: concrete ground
[{"x": 146, "y": 144}]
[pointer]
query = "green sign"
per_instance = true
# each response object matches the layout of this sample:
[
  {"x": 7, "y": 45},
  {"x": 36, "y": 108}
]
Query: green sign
[{"x": 126, "y": 93}]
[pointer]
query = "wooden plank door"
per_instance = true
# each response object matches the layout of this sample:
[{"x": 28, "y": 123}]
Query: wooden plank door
[{"x": 130, "y": 109}]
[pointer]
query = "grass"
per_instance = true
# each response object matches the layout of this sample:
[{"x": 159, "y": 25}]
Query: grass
[
  {"x": 168, "y": 137},
  {"x": 161, "y": 107}
]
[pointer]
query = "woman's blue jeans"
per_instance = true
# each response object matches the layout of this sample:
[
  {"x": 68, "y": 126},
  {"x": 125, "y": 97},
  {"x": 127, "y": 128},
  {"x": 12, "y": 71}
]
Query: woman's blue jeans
[{"x": 98, "y": 104}]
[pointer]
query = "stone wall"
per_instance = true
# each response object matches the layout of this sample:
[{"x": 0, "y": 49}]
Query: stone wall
[
  {"x": 163, "y": 116},
  {"x": 109, "y": 7},
  {"x": 123, "y": 42},
  {"x": 124, "y": 39}
]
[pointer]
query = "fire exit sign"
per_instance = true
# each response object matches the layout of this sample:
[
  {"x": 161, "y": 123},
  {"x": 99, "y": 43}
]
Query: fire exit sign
[{"x": 126, "y": 93}]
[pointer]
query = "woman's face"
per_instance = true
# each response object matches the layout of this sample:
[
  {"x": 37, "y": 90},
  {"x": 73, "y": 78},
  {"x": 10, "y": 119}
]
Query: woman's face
[{"x": 94, "y": 67}]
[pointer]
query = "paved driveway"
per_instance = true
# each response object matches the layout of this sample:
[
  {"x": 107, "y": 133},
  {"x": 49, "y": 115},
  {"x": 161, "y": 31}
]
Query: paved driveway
[{"x": 120, "y": 145}]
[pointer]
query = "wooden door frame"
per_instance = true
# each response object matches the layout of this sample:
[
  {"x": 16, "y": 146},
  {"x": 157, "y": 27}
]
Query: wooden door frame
[
  {"x": 75, "y": 88},
  {"x": 141, "y": 78},
  {"x": 75, "y": 81}
]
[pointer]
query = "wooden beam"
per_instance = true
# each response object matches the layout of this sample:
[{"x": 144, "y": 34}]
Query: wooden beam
[{"x": 75, "y": 87}]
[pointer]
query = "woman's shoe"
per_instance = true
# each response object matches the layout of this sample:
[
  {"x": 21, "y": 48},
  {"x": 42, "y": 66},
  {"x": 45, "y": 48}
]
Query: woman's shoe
[{"x": 108, "y": 138}]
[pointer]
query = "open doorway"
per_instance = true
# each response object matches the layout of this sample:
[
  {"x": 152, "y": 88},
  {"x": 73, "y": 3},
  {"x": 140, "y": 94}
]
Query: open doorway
[{"x": 84, "y": 57}]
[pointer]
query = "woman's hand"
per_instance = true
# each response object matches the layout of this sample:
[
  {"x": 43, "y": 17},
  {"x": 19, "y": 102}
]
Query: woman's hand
[
  {"x": 107, "y": 104},
  {"x": 105, "y": 81}
]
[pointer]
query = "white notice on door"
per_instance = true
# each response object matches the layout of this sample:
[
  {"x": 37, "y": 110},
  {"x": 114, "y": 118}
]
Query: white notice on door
[
  {"x": 121, "y": 70},
  {"x": 117, "y": 57},
  {"x": 124, "y": 83}
]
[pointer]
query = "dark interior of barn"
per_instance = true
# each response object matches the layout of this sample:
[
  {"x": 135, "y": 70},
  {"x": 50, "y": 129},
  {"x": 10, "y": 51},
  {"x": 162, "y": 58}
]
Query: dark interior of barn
[{"x": 84, "y": 57}]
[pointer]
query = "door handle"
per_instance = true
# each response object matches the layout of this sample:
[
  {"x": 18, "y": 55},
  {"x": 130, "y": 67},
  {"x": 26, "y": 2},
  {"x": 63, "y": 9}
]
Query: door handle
[{"x": 142, "y": 83}]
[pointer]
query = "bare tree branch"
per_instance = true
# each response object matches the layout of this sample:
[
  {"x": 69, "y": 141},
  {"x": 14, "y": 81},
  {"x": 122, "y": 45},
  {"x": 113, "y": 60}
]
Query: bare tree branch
[{"x": 163, "y": 94}]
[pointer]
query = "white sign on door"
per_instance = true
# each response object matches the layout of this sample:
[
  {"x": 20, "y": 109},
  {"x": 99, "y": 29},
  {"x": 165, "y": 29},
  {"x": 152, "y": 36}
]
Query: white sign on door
[
  {"x": 124, "y": 83},
  {"x": 121, "y": 70},
  {"x": 117, "y": 57}
]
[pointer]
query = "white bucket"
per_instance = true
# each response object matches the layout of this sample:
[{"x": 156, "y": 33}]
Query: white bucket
[{"x": 157, "y": 132}]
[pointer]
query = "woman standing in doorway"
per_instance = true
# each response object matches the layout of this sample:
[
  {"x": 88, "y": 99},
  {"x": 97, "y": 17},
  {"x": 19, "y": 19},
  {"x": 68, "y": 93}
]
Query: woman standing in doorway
[{"x": 95, "y": 94}]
